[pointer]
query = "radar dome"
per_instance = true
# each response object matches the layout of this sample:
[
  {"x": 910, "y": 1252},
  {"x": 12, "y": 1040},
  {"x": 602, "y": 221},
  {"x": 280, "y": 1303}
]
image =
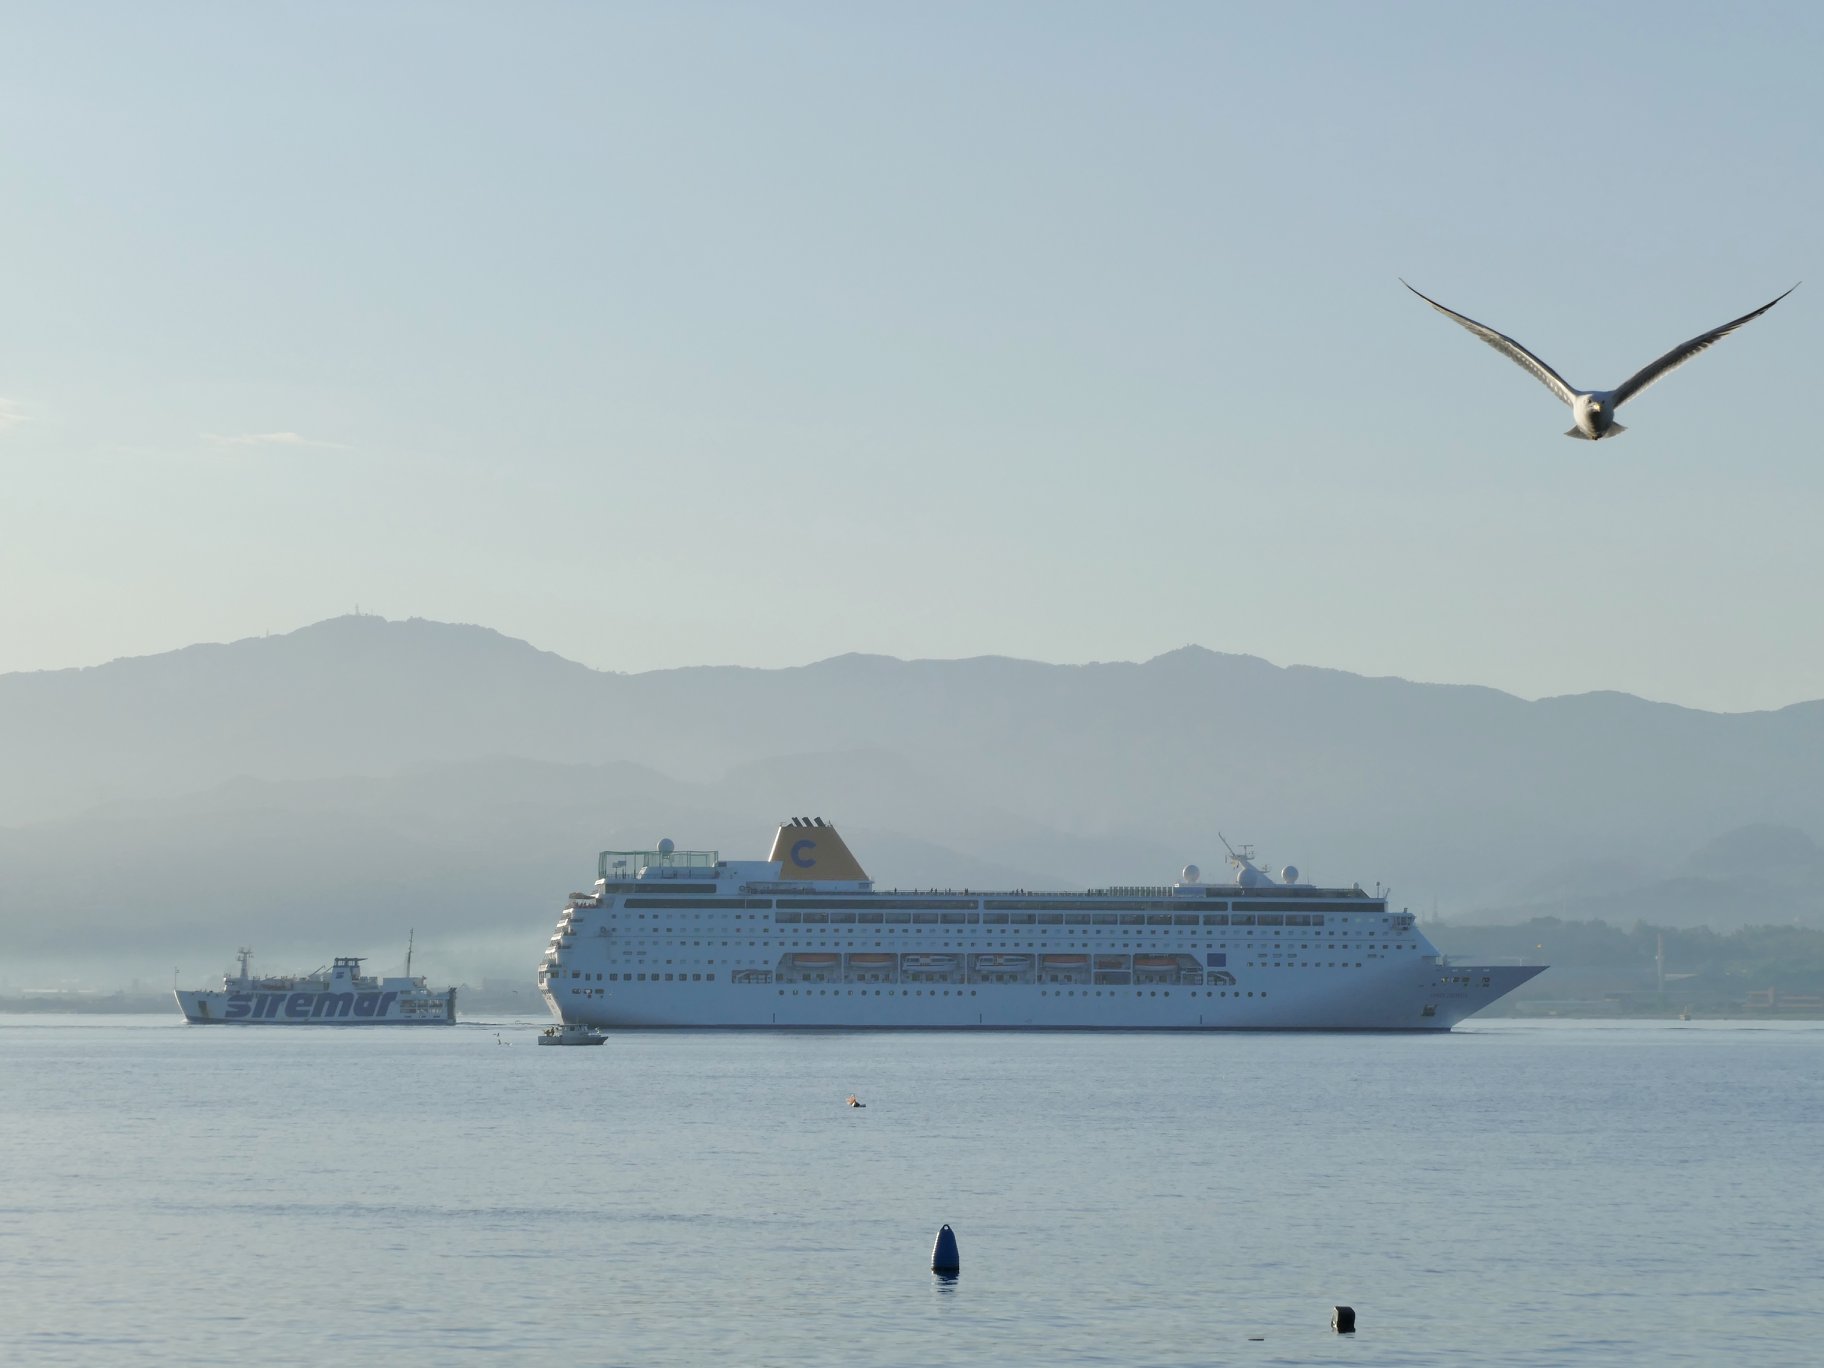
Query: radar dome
[
  {"x": 665, "y": 845},
  {"x": 1192, "y": 874},
  {"x": 1289, "y": 874}
]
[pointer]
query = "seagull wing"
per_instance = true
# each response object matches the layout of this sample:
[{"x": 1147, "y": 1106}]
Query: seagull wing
[
  {"x": 1511, "y": 349},
  {"x": 1682, "y": 353}
]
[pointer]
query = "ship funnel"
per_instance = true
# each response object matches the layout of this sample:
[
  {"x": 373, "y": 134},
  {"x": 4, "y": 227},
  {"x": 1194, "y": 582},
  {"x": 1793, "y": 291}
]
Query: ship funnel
[{"x": 814, "y": 853}]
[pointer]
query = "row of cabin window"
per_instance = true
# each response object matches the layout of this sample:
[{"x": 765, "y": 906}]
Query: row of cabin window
[
  {"x": 632, "y": 978},
  {"x": 920, "y": 992},
  {"x": 1058, "y": 918},
  {"x": 711, "y": 978},
  {"x": 1162, "y": 914},
  {"x": 995, "y": 907}
]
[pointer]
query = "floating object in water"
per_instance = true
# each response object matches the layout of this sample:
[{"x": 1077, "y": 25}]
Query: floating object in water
[
  {"x": 943, "y": 1253},
  {"x": 855, "y": 1101},
  {"x": 1342, "y": 1319}
]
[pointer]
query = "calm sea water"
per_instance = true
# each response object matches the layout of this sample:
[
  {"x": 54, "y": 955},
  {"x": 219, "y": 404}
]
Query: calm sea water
[{"x": 1508, "y": 1194}]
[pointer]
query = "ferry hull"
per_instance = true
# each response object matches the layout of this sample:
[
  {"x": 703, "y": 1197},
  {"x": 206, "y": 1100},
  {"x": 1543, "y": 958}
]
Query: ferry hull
[{"x": 210, "y": 1007}]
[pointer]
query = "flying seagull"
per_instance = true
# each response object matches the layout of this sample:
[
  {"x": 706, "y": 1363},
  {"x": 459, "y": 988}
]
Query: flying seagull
[{"x": 1594, "y": 410}]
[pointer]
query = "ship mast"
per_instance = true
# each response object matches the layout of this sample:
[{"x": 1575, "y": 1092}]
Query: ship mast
[{"x": 410, "y": 936}]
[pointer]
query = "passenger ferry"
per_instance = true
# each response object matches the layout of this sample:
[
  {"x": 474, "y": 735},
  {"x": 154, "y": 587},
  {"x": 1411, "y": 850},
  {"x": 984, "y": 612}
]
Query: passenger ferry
[
  {"x": 684, "y": 938},
  {"x": 340, "y": 995}
]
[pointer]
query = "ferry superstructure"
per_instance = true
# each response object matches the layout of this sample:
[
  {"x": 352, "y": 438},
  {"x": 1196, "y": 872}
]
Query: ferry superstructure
[
  {"x": 340, "y": 995},
  {"x": 683, "y": 938}
]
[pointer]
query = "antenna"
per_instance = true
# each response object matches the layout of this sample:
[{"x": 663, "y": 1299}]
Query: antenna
[{"x": 410, "y": 936}]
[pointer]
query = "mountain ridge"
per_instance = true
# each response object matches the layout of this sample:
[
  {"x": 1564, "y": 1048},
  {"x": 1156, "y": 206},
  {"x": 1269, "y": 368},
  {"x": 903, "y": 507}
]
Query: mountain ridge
[{"x": 991, "y": 766}]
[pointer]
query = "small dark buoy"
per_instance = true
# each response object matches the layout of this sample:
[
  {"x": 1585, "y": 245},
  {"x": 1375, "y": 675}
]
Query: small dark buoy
[
  {"x": 943, "y": 1253},
  {"x": 1342, "y": 1319}
]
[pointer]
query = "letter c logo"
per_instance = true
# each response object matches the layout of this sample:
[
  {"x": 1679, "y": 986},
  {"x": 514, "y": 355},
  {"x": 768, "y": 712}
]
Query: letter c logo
[{"x": 801, "y": 854}]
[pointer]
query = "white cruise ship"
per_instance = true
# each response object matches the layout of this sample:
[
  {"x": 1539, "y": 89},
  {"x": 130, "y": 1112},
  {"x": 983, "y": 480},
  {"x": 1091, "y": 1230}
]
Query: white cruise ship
[
  {"x": 341, "y": 995},
  {"x": 683, "y": 938}
]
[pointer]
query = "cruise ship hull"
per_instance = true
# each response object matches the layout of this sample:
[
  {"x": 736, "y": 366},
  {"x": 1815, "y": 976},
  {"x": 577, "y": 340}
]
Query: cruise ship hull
[{"x": 1393, "y": 1001}]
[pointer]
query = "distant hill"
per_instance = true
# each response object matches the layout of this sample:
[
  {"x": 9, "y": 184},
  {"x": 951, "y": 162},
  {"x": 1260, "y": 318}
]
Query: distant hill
[
  {"x": 1757, "y": 875},
  {"x": 361, "y": 776}
]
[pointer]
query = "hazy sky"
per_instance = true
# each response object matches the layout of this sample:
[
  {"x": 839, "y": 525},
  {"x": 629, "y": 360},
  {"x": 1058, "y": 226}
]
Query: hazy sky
[{"x": 676, "y": 334}]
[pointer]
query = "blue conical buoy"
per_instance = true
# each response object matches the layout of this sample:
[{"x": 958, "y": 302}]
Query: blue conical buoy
[{"x": 943, "y": 1253}]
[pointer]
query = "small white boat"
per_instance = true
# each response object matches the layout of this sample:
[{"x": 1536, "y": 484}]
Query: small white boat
[{"x": 571, "y": 1033}]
